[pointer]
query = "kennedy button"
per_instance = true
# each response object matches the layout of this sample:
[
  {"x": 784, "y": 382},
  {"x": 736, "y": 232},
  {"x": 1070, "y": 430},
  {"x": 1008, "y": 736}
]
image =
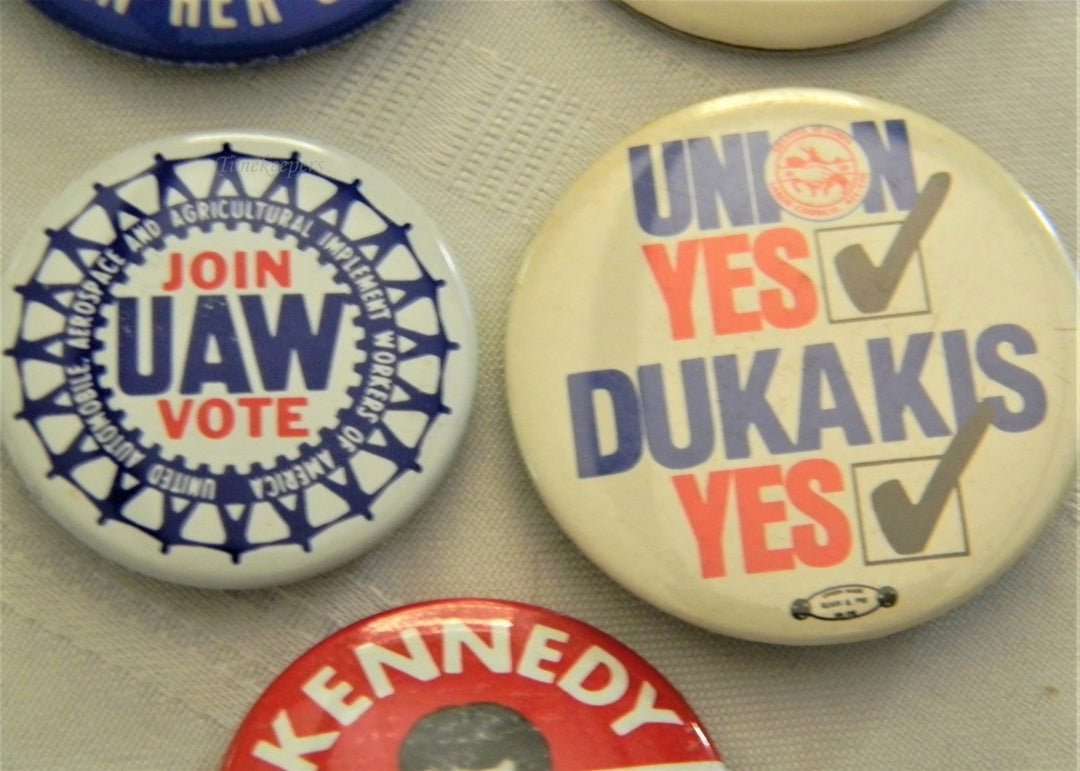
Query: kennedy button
[
  {"x": 797, "y": 366},
  {"x": 785, "y": 24},
  {"x": 234, "y": 359},
  {"x": 214, "y": 31},
  {"x": 482, "y": 685}
]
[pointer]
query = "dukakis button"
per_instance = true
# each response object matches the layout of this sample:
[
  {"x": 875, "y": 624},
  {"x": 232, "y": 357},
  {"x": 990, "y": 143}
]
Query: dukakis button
[
  {"x": 234, "y": 359},
  {"x": 214, "y": 31},
  {"x": 797, "y": 366},
  {"x": 785, "y": 24},
  {"x": 477, "y": 685}
]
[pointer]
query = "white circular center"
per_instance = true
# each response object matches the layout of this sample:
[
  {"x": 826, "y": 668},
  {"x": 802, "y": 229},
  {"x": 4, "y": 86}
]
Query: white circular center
[{"x": 230, "y": 347}]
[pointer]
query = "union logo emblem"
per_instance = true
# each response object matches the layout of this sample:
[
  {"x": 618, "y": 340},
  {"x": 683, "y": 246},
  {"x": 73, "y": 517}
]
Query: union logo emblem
[{"x": 817, "y": 173}]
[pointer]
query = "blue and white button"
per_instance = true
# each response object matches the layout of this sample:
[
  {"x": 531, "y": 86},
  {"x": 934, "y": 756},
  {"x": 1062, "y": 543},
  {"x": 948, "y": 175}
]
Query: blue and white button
[
  {"x": 234, "y": 359},
  {"x": 214, "y": 31}
]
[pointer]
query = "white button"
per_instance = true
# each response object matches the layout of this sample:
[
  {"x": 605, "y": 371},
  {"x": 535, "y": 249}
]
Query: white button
[{"x": 235, "y": 359}]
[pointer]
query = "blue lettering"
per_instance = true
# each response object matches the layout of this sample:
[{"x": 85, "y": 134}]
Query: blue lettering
[
  {"x": 646, "y": 200},
  {"x": 741, "y": 408},
  {"x": 821, "y": 363},
  {"x": 213, "y": 324},
  {"x": 314, "y": 348},
  {"x": 582, "y": 387},
  {"x": 1025, "y": 384},
  {"x": 130, "y": 379},
  {"x": 727, "y": 180},
  {"x": 698, "y": 177},
  {"x": 889, "y": 161},
  {"x": 654, "y": 405},
  {"x": 759, "y": 145},
  {"x": 645, "y": 416},
  {"x": 961, "y": 379},
  {"x": 899, "y": 389}
]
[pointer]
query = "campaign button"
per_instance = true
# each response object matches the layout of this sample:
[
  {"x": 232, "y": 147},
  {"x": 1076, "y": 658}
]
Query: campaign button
[
  {"x": 234, "y": 359},
  {"x": 785, "y": 24},
  {"x": 483, "y": 685},
  {"x": 214, "y": 31},
  {"x": 797, "y": 366}
]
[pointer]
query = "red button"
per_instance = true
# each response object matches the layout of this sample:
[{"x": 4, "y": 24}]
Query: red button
[{"x": 471, "y": 684}]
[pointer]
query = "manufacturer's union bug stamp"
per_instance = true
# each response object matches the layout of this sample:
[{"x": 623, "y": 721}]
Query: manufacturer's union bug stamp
[
  {"x": 818, "y": 172},
  {"x": 840, "y": 603},
  {"x": 233, "y": 352}
]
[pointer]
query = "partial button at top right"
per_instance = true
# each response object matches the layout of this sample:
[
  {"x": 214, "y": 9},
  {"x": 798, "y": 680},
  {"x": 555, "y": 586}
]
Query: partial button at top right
[{"x": 785, "y": 24}]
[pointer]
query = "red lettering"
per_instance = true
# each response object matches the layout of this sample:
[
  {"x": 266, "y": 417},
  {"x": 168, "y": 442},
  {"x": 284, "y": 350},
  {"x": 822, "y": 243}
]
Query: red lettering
[
  {"x": 218, "y": 270},
  {"x": 218, "y": 418},
  {"x": 755, "y": 514},
  {"x": 768, "y": 249},
  {"x": 176, "y": 273},
  {"x": 240, "y": 263},
  {"x": 706, "y": 516},
  {"x": 266, "y": 267},
  {"x": 724, "y": 280},
  {"x": 792, "y": 303},
  {"x": 837, "y": 544},
  {"x": 174, "y": 424},
  {"x": 210, "y": 270},
  {"x": 761, "y": 510},
  {"x": 676, "y": 283},
  {"x": 288, "y": 416},
  {"x": 254, "y": 405},
  {"x": 224, "y": 424}
]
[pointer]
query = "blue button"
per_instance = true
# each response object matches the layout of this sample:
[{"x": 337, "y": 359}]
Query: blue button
[{"x": 214, "y": 31}]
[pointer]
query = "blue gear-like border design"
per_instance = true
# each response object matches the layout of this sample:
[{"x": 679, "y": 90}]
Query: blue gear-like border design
[{"x": 234, "y": 502}]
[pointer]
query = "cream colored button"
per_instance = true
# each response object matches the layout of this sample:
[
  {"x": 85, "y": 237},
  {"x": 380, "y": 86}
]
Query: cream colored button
[
  {"x": 797, "y": 366},
  {"x": 785, "y": 24}
]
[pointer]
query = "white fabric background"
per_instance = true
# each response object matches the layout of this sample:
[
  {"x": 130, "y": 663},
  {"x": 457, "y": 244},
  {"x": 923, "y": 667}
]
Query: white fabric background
[{"x": 485, "y": 112}]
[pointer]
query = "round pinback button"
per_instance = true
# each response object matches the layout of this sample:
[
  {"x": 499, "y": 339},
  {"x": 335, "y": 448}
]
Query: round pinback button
[
  {"x": 484, "y": 685},
  {"x": 234, "y": 359},
  {"x": 214, "y": 31},
  {"x": 785, "y": 24},
  {"x": 797, "y": 366}
]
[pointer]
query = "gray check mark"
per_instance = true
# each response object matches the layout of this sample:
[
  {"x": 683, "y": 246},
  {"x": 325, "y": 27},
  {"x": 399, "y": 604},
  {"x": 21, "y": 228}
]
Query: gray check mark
[
  {"x": 871, "y": 287},
  {"x": 908, "y": 526}
]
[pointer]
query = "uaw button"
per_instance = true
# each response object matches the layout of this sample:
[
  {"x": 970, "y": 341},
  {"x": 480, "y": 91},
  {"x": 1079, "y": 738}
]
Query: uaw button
[
  {"x": 797, "y": 366},
  {"x": 471, "y": 685},
  {"x": 785, "y": 24},
  {"x": 214, "y": 31},
  {"x": 234, "y": 359}
]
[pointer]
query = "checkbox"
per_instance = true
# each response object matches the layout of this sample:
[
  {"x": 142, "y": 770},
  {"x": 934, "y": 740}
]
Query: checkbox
[
  {"x": 949, "y": 537},
  {"x": 911, "y": 296}
]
